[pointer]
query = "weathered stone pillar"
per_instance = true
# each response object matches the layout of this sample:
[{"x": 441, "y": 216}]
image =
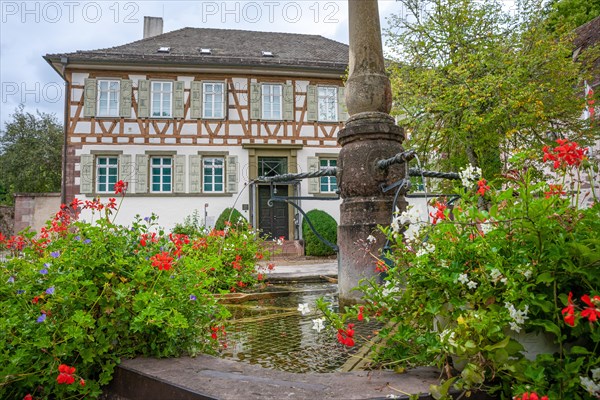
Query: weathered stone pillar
[{"x": 370, "y": 135}]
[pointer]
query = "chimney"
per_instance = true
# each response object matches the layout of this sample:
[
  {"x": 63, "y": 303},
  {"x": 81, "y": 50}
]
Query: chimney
[{"x": 153, "y": 26}]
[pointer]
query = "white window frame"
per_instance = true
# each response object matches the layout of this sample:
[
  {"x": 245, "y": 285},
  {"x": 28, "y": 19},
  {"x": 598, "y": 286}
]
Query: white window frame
[
  {"x": 213, "y": 168},
  {"x": 161, "y": 174},
  {"x": 162, "y": 94},
  {"x": 112, "y": 94},
  {"x": 217, "y": 112},
  {"x": 98, "y": 166},
  {"x": 328, "y": 181},
  {"x": 327, "y": 96},
  {"x": 268, "y": 101}
]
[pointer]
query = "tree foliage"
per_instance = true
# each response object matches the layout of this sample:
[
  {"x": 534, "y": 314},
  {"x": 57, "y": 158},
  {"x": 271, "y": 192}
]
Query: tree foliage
[
  {"x": 572, "y": 13},
  {"x": 473, "y": 80},
  {"x": 30, "y": 154}
]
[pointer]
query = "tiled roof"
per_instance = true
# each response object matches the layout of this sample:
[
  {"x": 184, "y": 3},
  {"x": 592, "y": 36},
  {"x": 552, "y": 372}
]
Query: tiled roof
[
  {"x": 228, "y": 47},
  {"x": 586, "y": 36}
]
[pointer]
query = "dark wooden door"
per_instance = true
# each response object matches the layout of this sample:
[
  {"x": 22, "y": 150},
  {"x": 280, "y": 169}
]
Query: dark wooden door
[{"x": 273, "y": 221}]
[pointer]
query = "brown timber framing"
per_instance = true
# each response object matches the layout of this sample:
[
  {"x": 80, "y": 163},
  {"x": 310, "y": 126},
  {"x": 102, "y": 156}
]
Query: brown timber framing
[{"x": 216, "y": 131}]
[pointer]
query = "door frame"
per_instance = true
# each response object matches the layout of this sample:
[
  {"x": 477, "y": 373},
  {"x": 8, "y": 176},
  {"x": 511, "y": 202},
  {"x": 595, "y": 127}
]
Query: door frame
[{"x": 288, "y": 151}]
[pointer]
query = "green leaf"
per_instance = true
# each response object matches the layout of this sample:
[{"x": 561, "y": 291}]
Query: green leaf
[{"x": 545, "y": 277}]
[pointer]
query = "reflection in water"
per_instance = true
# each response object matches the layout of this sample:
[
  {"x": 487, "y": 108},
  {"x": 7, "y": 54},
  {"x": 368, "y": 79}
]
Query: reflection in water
[{"x": 273, "y": 334}]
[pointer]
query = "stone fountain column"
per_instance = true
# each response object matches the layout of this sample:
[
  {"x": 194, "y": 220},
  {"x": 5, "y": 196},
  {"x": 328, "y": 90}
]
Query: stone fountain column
[{"x": 370, "y": 134}]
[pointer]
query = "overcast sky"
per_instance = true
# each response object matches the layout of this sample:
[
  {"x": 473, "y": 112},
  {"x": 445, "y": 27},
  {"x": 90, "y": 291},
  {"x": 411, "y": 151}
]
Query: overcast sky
[{"x": 31, "y": 29}]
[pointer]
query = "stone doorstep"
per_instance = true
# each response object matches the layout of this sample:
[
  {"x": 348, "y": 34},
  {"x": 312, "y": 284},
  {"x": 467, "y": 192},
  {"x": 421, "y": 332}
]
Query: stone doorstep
[{"x": 207, "y": 377}]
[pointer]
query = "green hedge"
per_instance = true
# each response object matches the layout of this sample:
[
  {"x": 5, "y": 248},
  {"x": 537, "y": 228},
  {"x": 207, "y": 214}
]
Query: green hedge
[
  {"x": 326, "y": 225},
  {"x": 235, "y": 219}
]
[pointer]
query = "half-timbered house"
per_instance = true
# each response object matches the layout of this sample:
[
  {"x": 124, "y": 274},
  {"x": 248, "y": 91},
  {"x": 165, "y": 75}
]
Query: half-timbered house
[{"x": 190, "y": 117}]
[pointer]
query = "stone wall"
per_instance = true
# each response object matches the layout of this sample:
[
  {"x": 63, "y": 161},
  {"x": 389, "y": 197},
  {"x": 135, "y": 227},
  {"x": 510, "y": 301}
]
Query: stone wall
[
  {"x": 34, "y": 209},
  {"x": 6, "y": 220}
]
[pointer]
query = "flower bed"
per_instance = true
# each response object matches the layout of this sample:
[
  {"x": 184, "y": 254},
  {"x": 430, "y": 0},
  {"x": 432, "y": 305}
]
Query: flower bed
[
  {"x": 80, "y": 296},
  {"x": 518, "y": 259}
]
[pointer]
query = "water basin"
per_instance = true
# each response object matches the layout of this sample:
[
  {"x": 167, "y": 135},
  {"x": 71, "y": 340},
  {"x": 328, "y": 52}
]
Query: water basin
[{"x": 272, "y": 333}]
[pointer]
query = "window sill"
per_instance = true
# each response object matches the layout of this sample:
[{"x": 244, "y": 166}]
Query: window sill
[{"x": 108, "y": 195}]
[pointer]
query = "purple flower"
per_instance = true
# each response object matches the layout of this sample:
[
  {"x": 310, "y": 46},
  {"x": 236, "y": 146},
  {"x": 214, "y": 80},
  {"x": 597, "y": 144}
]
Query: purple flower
[
  {"x": 41, "y": 318},
  {"x": 55, "y": 254},
  {"x": 87, "y": 241},
  {"x": 20, "y": 291},
  {"x": 147, "y": 219},
  {"x": 11, "y": 279},
  {"x": 193, "y": 297},
  {"x": 77, "y": 237},
  {"x": 50, "y": 290},
  {"x": 44, "y": 271}
]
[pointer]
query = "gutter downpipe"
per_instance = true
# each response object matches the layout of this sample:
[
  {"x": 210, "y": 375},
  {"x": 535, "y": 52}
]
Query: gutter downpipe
[{"x": 63, "y": 186}]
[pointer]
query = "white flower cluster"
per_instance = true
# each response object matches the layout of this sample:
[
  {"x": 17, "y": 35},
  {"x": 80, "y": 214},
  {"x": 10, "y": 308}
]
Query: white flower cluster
[
  {"x": 518, "y": 316},
  {"x": 496, "y": 276},
  {"x": 389, "y": 289},
  {"x": 592, "y": 385},
  {"x": 464, "y": 279},
  {"x": 426, "y": 249},
  {"x": 318, "y": 324},
  {"x": 303, "y": 308},
  {"x": 470, "y": 175},
  {"x": 410, "y": 217}
]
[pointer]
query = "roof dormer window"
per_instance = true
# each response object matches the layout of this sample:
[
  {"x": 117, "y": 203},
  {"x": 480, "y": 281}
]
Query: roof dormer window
[
  {"x": 267, "y": 54},
  {"x": 164, "y": 49},
  {"x": 205, "y": 51}
]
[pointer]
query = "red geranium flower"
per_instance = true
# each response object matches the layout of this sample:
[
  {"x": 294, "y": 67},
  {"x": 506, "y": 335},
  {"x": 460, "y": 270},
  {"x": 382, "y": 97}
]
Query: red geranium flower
[
  {"x": 360, "y": 316},
  {"x": 569, "y": 311},
  {"x": 65, "y": 375},
  {"x": 28, "y": 396},
  {"x": 483, "y": 187},
  {"x": 120, "y": 187},
  {"x": 163, "y": 261},
  {"x": 593, "y": 311},
  {"x": 530, "y": 396},
  {"x": 439, "y": 213},
  {"x": 555, "y": 190}
]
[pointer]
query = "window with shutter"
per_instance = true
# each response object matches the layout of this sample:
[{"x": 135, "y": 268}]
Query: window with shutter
[
  {"x": 125, "y": 98},
  {"x": 288, "y": 102},
  {"x": 311, "y": 103},
  {"x": 342, "y": 110},
  {"x": 178, "y": 99},
  {"x": 161, "y": 99},
  {"x": 141, "y": 176},
  {"x": 272, "y": 102},
  {"x": 143, "y": 98},
  {"x": 107, "y": 173},
  {"x": 213, "y": 174},
  {"x": 161, "y": 174},
  {"x": 109, "y": 94},
  {"x": 214, "y": 96},
  {"x": 196, "y": 100},
  {"x": 313, "y": 183},
  {"x": 179, "y": 173},
  {"x": 86, "y": 174},
  {"x": 89, "y": 97},
  {"x": 255, "y": 101}
]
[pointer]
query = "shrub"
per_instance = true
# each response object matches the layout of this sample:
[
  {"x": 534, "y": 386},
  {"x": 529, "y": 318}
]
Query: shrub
[
  {"x": 233, "y": 216},
  {"x": 191, "y": 226},
  {"x": 513, "y": 264},
  {"x": 80, "y": 296},
  {"x": 326, "y": 226}
]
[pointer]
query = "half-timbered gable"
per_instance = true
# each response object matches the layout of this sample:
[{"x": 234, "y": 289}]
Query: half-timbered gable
[{"x": 189, "y": 118}]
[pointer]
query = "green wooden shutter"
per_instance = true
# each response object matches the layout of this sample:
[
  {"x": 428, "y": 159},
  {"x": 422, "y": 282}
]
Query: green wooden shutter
[
  {"x": 141, "y": 173},
  {"x": 90, "y": 94},
  {"x": 125, "y": 98},
  {"x": 179, "y": 177},
  {"x": 195, "y": 163},
  {"x": 311, "y": 103},
  {"x": 314, "y": 184},
  {"x": 125, "y": 168},
  {"x": 255, "y": 101},
  {"x": 196, "y": 100},
  {"x": 178, "y": 99},
  {"x": 143, "y": 98},
  {"x": 86, "y": 174},
  {"x": 288, "y": 102},
  {"x": 231, "y": 165},
  {"x": 342, "y": 110}
]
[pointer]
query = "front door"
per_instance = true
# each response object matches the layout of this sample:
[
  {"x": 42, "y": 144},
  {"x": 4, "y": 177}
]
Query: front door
[{"x": 273, "y": 221}]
